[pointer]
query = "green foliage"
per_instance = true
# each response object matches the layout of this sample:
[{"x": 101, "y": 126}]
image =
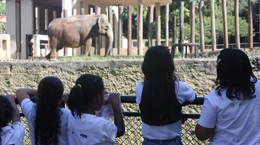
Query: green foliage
[{"x": 2, "y": 13}]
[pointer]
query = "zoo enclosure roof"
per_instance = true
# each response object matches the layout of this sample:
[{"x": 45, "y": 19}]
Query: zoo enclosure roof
[
  {"x": 134, "y": 3},
  {"x": 125, "y": 3}
]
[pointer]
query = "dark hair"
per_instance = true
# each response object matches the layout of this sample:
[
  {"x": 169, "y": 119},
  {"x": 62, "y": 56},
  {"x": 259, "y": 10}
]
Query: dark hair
[
  {"x": 47, "y": 122},
  {"x": 159, "y": 80},
  {"x": 6, "y": 112},
  {"x": 82, "y": 94},
  {"x": 234, "y": 73}
]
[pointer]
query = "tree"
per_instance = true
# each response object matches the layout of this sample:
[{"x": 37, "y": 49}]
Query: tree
[{"x": 2, "y": 13}]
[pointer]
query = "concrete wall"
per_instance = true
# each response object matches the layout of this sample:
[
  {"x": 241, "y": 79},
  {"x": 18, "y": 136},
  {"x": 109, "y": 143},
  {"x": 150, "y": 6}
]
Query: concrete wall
[{"x": 118, "y": 75}]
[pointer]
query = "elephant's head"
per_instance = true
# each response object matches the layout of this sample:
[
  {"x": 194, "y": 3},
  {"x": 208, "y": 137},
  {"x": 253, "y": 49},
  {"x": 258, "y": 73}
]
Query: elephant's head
[{"x": 105, "y": 29}]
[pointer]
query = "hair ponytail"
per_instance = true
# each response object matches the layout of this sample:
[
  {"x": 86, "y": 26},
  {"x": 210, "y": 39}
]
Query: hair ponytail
[
  {"x": 75, "y": 97},
  {"x": 82, "y": 94}
]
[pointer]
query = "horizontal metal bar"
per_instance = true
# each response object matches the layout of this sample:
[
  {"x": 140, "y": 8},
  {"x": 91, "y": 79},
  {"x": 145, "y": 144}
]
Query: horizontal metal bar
[{"x": 131, "y": 99}]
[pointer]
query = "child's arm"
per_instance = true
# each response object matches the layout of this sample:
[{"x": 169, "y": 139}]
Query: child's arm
[
  {"x": 16, "y": 114},
  {"x": 24, "y": 93},
  {"x": 118, "y": 117}
]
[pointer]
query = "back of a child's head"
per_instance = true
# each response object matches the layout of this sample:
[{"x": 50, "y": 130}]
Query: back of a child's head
[
  {"x": 50, "y": 88},
  {"x": 47, "y": 120},
  {"x": 6, "y": 111},
  {"x": 81, "y": 95},
  {"x": 234, "y": 71},
  {"x": 157, "y": 62}
]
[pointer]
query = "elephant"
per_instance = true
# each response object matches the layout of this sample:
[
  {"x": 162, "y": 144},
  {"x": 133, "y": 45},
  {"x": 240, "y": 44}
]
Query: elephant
[{"x": 76, "y": 31}]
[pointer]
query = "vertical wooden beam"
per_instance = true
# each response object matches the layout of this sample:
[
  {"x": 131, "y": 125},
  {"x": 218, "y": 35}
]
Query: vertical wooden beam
[
  {"x": 158, "y": 23},
  {"x": 110, "y": 20},
  {"x": 120, "y": 28},
  {"x": 237, "y": 35},
  {"x": 192, "y": 25},
  {"x": 250, "y": 24},
  {"x": 82, "y": 11},
  {"x": 129, "y": 30},
  {"x": 150, "y": 32},
  {"x": 173, "y": 36},
  {"x": 213, "y": 29},
  {"x": 65, "y": 49},
  {"x": 140, "y": 29},
  {"x": 181, "y": 22},
  {"x": 202, "y": 38},
  {"x": 167, "y": 25},
  {"x": 225, "y": 29}
]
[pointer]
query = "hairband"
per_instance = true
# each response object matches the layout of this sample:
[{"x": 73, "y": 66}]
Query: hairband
[{"x": 79, "y": 85}]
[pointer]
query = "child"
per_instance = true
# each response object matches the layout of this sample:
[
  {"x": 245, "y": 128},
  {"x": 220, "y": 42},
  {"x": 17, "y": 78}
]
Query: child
[
  {"x": 86, "y": 97},
  {"x": 230, "y": 114},
  {"x": 8, "y": 111},
  {"x": 47, "y": 121},
  {"x": 160, "y": 98}
]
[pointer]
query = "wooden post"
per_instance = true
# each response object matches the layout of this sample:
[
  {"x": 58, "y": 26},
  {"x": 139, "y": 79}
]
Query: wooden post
[
  {"x": 237, "y": 35},
  {"x": 167, "y": 25},
  {"x": 202, "y": 39},
  {"x": 140, "y": 29},
  {"x": 173, "y": 36},
  {"x": 97, "y": 46},
  {"x": 82, "y": 11},
  {"x": 150, "y": 32},
  {"x": 110, "y": 20},
  {"x": 120, "y": 28},
  {"x": 192, "y": 25},
  {"x": 213, "y": 29},
  {"x": 129, "y": 30},
  {"x": 250, "y": 24},
  {"x": 158, "y": 23},
  {"x": 225, "y": 29},
  {"x": 65, "y": 49},
  {"x": 181, "y": 22}
]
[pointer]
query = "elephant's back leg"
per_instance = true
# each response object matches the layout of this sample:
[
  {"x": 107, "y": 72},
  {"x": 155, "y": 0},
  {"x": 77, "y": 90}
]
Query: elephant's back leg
[{"x": 54, "y": 45}]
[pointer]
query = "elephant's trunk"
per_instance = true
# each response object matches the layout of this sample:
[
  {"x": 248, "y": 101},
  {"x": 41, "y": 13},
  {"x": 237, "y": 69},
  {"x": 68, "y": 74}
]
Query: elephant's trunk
[{"x": 110, "y": 39}]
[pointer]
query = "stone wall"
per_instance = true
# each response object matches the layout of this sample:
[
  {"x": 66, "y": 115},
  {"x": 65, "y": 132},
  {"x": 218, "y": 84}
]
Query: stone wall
[{"x": 118, "y": 75}]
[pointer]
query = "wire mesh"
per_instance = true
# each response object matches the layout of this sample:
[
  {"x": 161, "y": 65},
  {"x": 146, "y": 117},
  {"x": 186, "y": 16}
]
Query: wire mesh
[{"x": 133, "y": 134}]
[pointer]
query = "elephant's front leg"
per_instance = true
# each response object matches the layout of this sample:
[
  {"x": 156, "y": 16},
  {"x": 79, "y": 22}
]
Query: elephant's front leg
[{"x": 87, "y": 46}]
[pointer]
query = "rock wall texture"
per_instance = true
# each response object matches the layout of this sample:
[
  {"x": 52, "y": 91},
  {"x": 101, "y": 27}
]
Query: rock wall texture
[{"x": 118, "y": 76}]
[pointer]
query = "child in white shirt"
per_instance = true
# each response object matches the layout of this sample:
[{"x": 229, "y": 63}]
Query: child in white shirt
[
  {"x": 8, "y": 111},
  {"x": 230, "y": 114},
  {"x": 160, "y": 98},
  {"x": 47, "y": 121},
  {"x": 84, "y": 127}
]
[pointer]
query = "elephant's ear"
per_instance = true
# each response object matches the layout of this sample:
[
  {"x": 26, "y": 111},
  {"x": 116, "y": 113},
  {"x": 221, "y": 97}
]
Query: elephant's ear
[{"x": 98, "y": 23}]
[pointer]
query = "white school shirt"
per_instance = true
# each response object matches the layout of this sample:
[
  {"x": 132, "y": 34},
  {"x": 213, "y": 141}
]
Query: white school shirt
[
  {"x": 170, "y": 131},
  {"x": 29, "y": 111},
  {"x": 91, "y": 130},
  {"x": 12, "y": 135},
  {"x": 236, "y": 122}
]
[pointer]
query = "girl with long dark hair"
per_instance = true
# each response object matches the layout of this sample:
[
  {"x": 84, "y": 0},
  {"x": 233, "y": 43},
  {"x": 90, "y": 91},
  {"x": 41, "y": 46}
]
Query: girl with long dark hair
[
  {"x": 84, "y": 127},
  {"x": 230, "y": 114},
  {"x": 160, "y": 98},
  {"x": 10, "y": 135},
  {"x": 47, "y": 121}
]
